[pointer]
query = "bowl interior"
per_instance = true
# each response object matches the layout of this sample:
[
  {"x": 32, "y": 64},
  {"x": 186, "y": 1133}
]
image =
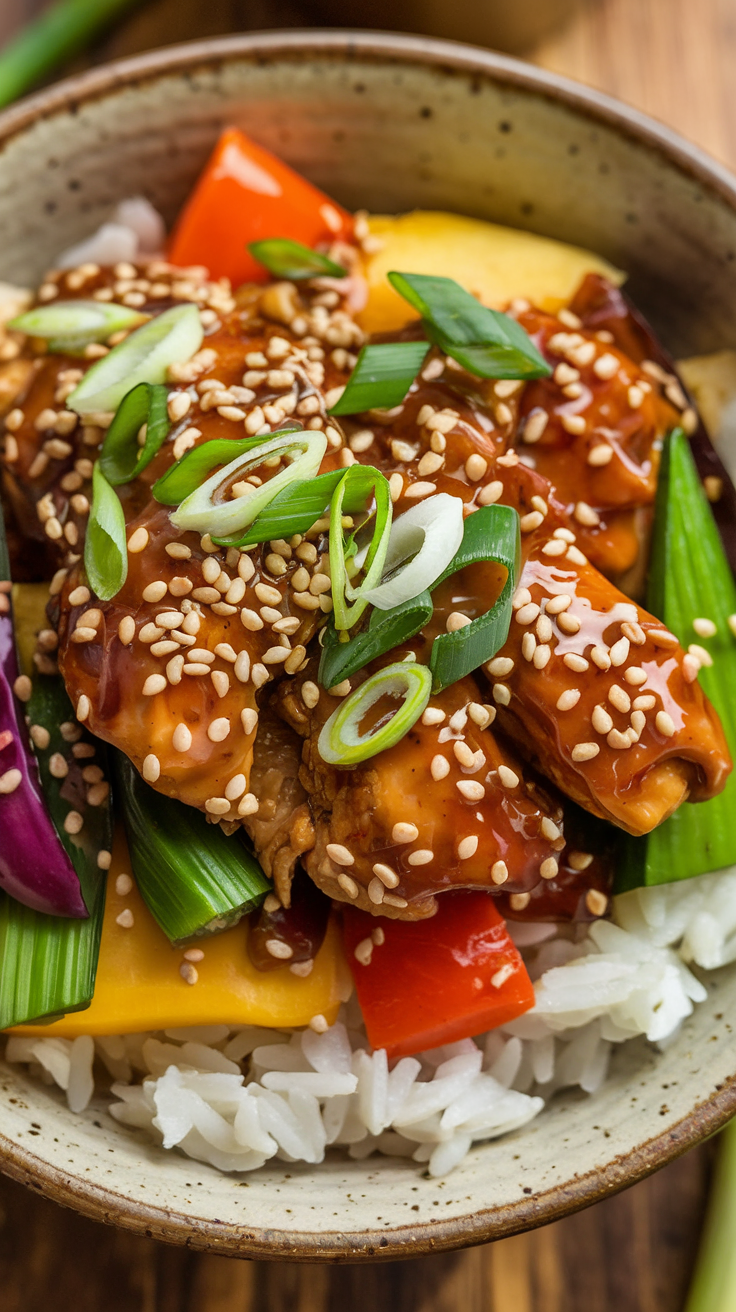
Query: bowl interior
[{"x": 388, "y": 124}]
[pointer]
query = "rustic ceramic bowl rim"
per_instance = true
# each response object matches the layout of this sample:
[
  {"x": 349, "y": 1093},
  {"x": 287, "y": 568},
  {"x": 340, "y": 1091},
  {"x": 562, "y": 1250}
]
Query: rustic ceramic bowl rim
[{"x": 107, "y": 1205}]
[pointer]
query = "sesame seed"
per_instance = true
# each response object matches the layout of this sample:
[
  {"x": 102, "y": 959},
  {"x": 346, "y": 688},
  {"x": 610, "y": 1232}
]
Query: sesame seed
[
  {"x": 601, "y": 720},
  {"x": 475, "y": 467},
  {"x": 392, "y": 900},
  {"x": 509, "y": 778},
  {"x": 567, "y": 699},
  {"x": 619, "y": 698},
  {"x": 548, "y": 829},
  {"x": 554, "y": 548},
  {"x": 620, "y": 742},
  {"x": 606, "y": 366},
  {"x": 528, "y": 646},
  {"x": 564, "y": 535},
  {"x": 422, "y": 857},
  {"x": 439, "y": 767},
  {"x": 700, "y": 654},
  {"x": 218, "y": 730},
  {"x": 502, "y": 694},
  {"x": 125, "y": 920},
  {"x": 248, "y": 805},
  {"x": 84, "y": 706},
  {"x": 457, "y": 620},
  {"x": 481, "y": 715},
  {"x": 340, "y": 854},
  {"x": 645, "y": 703},
  {"x": 181, "y": 738},
  {"x": 638, "y": 721},
  {"x": 376, "y": 891},
  {"x": 433, "y": 715},
  {"x": 576, "y": 556},
  {"x": 155, "y": 683},
  {"x": 500, "y": 666},
  {"x": 665, "y": 724},
  {"x": 549, "y": 868},
  {"x": 579, "y": 860},
  {"x": 79, "y": 596},
  {"x": 470, "y": 789},
  {"x": 249, "y": 719},
  {"x": 528, "y": 613},
  {"x": 490, "y": 494},
  {"x": 521, "y": 598},
  {"x": 499, "y": 872},
  {"x": 690, "y": 667},
  {"x": 189, "y": 972},
  {"x": 9, "y": 781},
  {"x": 151, "y": 768},
  {"x": 416, "y": 490},
  {"x": 348, "y": 885},
  {"x": 557, "y": 604},
  {"x": 705, "y": 628},
  {"x": 585, "y": 751},
  {"x": 138, "y": 540},
  {"x": 217, "y": 805},
  {"x": 235, "y": 787},
  {"x": 536, "y": 422},
  {"x": 385, "y": 874},
  {"x": 586, "y": 515},
  {"x": 543, "y": 628},
  {"x": 519, "y": 901},
  {"x": 154, "y": 591},
  {"x": 662, "y": 638},
  {"x": 123, "y": 885},
  {"x": 541, "y": 656},
  {"x": 601, "y": 658},
  {"x": 340, "y": 689},
  {"x": 600, "y": 455},
  {"x": 73, "y": 822},
  {"x": 531, "y": 521},
  {"x": 596, "y": 902},
  {"x": 467, "y": 847},
  {"x": 402, "y": 832},
  {"x": 574, "y": 424}
]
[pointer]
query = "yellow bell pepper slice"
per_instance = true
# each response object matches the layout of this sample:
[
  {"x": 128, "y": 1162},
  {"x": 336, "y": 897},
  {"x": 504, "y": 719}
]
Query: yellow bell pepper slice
[
  {"x": 493, "y": 262},
  {"x": 139, "y": 985}
]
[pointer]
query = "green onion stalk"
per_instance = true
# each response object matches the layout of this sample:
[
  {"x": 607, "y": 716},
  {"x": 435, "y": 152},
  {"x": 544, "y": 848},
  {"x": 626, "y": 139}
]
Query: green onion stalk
[
  {"x": 713, "y": 1286},
  {"x": 62, "y": 32}
]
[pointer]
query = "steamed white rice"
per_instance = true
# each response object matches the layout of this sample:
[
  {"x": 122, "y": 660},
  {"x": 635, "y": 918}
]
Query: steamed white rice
[{"x": 237, "y": 1097}]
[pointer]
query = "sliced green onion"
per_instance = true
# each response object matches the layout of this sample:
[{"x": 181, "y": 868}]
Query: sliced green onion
[
  {"x": 121, "y": 458},
  {"x": 296, "y": 509},
  {"x": 341, "y": 741},
  {"x": 226, "y": 520},
  {"x": 358, "y": 481},
  {"x": 72, "y": 325},
  {"x": 289, "y": 259},
  {"x": 486, "y": 342},
  {"x": 713, "y": 1285},
  {"x": 690, "y": 578},
  {"x": 382, "y": 377},
  {"x": 422, "y": 543},
  {"x": 105, "y": 545},
  {"x": 193, "y": 879},
  {"x": 48, "y": 963},
  {"x": 196, "y": 465},
  {"x": 492, "y": 533},
  {"x": 386, "y": 629},
  {"x": 144, "y": 356}
]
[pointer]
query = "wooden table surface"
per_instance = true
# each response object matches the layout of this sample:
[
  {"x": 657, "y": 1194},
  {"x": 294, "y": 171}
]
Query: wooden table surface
[{"x": 632, "y": 1253}]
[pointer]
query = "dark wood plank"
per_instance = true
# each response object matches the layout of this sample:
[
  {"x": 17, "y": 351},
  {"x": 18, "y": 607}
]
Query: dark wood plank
[{"x": 633, "y": 1252}]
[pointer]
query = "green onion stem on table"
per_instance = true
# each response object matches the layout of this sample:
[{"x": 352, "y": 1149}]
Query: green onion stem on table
[
  {"x": 713, "y": 1286},
  {"x": 58, "y": 34}
]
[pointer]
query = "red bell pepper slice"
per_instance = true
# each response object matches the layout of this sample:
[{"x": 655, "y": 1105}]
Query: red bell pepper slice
[
  {"x": 439, "y": 980},
  {"x": 245, "y": 194}
]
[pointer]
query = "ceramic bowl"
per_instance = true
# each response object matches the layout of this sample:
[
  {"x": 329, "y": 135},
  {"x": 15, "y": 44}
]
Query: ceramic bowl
[{"x": 389, "y": 123}]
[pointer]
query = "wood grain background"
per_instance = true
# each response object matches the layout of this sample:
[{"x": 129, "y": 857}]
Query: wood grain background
[{"x": 632, "y": 1253}]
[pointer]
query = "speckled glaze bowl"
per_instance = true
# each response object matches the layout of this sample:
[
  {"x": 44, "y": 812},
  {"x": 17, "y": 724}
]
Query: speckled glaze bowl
[{"x": 389, "y": 123}]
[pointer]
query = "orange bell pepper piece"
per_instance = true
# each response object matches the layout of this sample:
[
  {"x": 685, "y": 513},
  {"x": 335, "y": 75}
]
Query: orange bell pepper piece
[
  {"x": 246, "y": 194},
  {"x": 435, "y": 981}
]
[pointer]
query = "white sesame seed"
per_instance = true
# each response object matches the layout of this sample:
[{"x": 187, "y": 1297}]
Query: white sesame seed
[
  {"x": 567, "y": 699},
  {"x": 490, "y": 494},
  {"x": 348, "y": 885},
  {"x": 480, "y": 715},
  {"x": 417, "y": 490},
  {"x": 248, "y": 805},
  {"x": 340, "y": 854},
  {"x": 421, "y": 857},
  {"x": 138, "y": 540},
  {"x": 402, "y": 832},
  {"x": 499, "y": 872},
  {"x": 218, "y": 730},
  {"x": 585, "y": 751},
  {"x": 9, "y": 781},
  {"x": 619, "y": 651},
  {"x": 521, "y": 598},
  {"x": 638, "y": 721},
  {"x": 554, "y": 548},
  {"x": 690, "y": 667},
  {"x": 73, "y": 822},
  {"x": 606, "y": 366},
  {"x": 509, "y": 778},
  {"x": 543, "y": 628},
  {"x": 541, "y": 656},
  {"x": 579, "y": 860},
  {"x": 662, "y": 638},
  {"x": 151, "y": 768},
  {"x": 528, "y": 613},
  {"x": 188, "y": 972},
  {"x": 704, "y": 628},
  {"x": 155, "y": 683},
  {"x": 519, "y": 901},
  {"x": 502, "y": 694},
  {"x": 700, "y": 654},
  {"x": 500, "y": 666},
  {"x": 249, "y": 719},
  {"x": 620, "y": 742},
  {"x": 467, "y": 847},
  {"x": 531, "y": 521},
  {"x": 644, "y": 703},
  {"x": 181, "y": 738},
  {"x": 471, "y": 789},
  {"x": 557, "y": 604},
  {"x": 601, "y": 658},
  {"x": 433, "y": 715},
  {"x": 635, "y": 676},
  {"x": 576, "y": 556},
  {"x": 174, "y": 669},
  {"x": 586, "y": 515},
  {"x": 549, "y": 830},
  {"x": 217, "y": 805},
  {"x": 439, "y": 767},
  {"x": 84, "y": 706},
  {"x": 457, "y": 620},
  {"x": 536, "y": 422},
  {"x": 600, "y": 455},
  {"x": 126, "y": 919},
  {"x": 475, "y": 467},
  {"x": 634, "y": 632},
  {"x": 596, "y": 902},
  {"x": 528, "y": 646},
  {"x": 665, "y": 724},
  {"x": 549, "y": 868},
  {"x": 619, "y": 698},
  {"x": 601, "y": 720},
  {"x": 123, "y": 885},
  {"x": 574, "y": 424}
]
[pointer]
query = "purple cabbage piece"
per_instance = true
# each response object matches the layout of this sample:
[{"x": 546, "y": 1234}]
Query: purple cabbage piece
[{"x": 34, "y": 867}]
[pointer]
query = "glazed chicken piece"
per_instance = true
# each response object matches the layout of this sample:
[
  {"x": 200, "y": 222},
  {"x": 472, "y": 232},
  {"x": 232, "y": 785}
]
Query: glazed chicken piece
[
  {"x": 445, "y": 808},
  {"x": 281, "y": 829}
]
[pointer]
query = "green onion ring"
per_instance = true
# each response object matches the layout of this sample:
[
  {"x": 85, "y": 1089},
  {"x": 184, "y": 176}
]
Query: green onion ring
[{"x": 341, "y": 743}]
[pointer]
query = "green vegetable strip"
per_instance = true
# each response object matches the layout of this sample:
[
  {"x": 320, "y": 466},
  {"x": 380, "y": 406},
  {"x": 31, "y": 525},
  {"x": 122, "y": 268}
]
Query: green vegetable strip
[
  {"x": 48, "y": 964},
  {"x": 387, "y": 629},
  {"x": 689, "y": 578},
  {"x": 492, "y": 533},
  {"x": 193, "y": 879},
  {"x": 105, "y": 544},
  {"x": 121, "y": 458},
  {"x": 69, "y": 326},
  {"x": 357, "y": 481},
  {"x": 487, "y": 343},
  {"x": 290, "y": 259},
  {"x": 382, "y": 377},
  {"x": 341, "y": 741},
  {"x": 195, "y": 467},
  {"x": 713, "y": 1286},
  {"x": 57, "y": 35},
  {"x": 298, "y": 507}
]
